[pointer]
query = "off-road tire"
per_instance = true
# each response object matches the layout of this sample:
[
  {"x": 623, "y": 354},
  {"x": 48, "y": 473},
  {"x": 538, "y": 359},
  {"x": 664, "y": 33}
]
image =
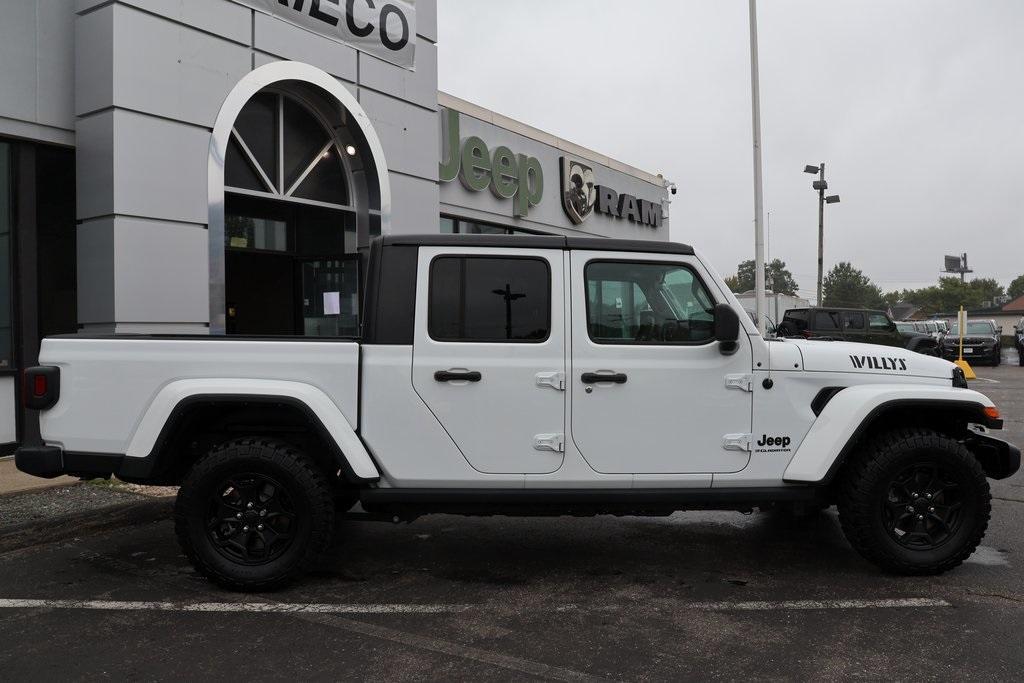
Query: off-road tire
[
  {"x": 864, "y": 490},
  {"x": 306, "y": 486}
]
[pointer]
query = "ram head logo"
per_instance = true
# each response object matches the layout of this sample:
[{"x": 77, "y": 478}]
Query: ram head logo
[{"x": 578, "y": 190}]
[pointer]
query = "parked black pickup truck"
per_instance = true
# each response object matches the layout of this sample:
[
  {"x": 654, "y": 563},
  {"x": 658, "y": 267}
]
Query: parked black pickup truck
[{"x": 855, "y": 325}]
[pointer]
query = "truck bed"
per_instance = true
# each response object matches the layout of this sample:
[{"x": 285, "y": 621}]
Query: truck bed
[{"x": 108, "y": 383}]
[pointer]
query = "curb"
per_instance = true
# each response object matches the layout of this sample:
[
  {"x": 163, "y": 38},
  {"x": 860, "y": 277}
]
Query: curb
[
  {"x": 75, "y": 525},
  {"x": 49, "y": 486}
]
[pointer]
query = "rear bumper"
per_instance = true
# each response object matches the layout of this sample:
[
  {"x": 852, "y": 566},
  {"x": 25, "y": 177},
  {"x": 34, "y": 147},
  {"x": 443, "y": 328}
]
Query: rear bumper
[{"x": 49, "y": 462}]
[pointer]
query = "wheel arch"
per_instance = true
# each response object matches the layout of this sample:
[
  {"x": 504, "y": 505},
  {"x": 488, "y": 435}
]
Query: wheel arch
[
  {"x": 188, "y": 417},
  {"x": 856, "y": 412}
]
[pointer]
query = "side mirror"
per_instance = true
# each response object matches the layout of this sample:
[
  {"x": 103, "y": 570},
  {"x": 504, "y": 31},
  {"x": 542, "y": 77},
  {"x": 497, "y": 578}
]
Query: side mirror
[{"x": 727, "y": 328}]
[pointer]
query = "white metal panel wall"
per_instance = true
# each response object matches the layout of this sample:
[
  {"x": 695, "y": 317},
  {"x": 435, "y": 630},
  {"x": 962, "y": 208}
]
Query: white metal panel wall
[
  {"x": 151, "y": 77},
  {"x": 37, "y": 77}
]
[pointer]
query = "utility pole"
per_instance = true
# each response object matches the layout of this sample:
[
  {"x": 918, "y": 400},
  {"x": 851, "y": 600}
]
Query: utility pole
[{"x": 760, "y": 306}]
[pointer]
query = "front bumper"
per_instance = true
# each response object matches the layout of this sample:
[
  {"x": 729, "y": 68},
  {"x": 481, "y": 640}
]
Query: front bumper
[
  {"x": 49, "y": 462},
  {"x": 973, "y": 352},
  {"x": 998, "y": 458}
]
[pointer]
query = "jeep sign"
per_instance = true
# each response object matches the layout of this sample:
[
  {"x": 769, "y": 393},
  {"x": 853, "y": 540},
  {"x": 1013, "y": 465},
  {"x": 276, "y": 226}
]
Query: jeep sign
[
  {"x": 383, "y": 28},
  {"x": 508, "y": 175}
]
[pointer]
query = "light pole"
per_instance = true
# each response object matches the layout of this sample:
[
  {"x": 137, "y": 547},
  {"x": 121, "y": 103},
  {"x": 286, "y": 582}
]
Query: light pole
[
  {"x": 760, "y": 303},
  {"x": 821, "y": 185}
]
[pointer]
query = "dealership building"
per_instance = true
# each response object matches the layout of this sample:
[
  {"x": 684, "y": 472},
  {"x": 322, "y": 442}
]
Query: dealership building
[{"x": 220, "y": 167}]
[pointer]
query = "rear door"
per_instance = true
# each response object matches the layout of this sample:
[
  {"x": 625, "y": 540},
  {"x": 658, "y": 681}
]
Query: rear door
[
  {"x": 855, "y": 328},
  {"x": 827, "y": 324},
  {"x": 489, "y": 354},
  {"x": 651, "y": 391}
]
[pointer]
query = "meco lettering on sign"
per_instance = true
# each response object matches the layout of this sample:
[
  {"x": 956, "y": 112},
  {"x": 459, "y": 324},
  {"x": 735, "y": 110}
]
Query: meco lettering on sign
[{"x": 383, "y": 28}]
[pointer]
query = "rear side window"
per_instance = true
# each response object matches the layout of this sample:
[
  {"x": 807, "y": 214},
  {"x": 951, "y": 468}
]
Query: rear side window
[
  {"x": 797, "y": 318},
  {"x": 489, "y": 299},
  {"x": 827, "y": 321}
]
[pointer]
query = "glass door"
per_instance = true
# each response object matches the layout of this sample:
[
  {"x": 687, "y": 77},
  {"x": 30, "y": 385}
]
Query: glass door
[{"x": 329, "y": 290}]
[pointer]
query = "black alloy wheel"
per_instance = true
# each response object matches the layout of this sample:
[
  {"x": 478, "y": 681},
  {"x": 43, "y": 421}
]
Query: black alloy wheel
[
  {"x": 251, "y": 519},
  {"x": 914, "y": 501},
  {"x": 923, "y": 507},
  {"x": 254, "y": 514}
]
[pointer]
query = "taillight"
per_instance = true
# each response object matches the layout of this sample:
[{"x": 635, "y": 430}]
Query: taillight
[{"x": 41, "y": 387}]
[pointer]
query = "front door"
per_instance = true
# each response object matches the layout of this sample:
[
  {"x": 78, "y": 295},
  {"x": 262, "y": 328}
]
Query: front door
[
  {"x": 649, "y": 388},
  {"x": 489, "y": 354}
]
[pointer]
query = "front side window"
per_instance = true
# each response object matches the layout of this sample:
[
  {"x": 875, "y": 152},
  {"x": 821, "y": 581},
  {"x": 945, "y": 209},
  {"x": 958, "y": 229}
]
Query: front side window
[
  {"x": 879, "y": 321},
  {"x": 647, "y": 303},
  {"x": 853, "y": 321},
  {"x": 489, "y": 299}
]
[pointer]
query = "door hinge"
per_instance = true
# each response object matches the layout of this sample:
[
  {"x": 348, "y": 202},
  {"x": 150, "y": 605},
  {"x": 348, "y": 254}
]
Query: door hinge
[
  {"x": 741, "y": 382},
  {"x": 555, "y": 380},
  {"x": 549, "y": 442},
  {"x": 736, "y": 442}
]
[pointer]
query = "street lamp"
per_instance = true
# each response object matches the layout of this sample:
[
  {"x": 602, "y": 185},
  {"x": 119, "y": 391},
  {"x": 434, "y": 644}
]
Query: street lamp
[{"x": 821, "y": 185}]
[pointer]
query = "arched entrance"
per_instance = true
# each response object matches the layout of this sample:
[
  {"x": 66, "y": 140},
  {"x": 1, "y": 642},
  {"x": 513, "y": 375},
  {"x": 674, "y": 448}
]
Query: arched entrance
[{"x": 298, "y": 188}]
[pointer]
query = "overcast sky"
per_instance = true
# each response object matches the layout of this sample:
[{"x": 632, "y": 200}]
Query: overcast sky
[{"x": 915, "y": 106}]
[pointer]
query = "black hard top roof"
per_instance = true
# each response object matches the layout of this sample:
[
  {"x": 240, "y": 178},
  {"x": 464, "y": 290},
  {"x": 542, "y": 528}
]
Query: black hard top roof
[{"x": 538, "y": 242}]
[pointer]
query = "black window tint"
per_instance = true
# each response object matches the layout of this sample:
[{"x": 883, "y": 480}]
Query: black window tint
[
  {"x": 797, "y": 319},
  {"x": 483, "y": 299},
  {"x": 6, "y": 225},
  {"x": 853, "y": 321},
  {"x": 826, "y": 321}
]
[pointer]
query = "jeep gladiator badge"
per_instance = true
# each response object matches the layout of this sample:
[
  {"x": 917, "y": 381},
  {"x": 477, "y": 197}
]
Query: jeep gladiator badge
[{"x": 773, "y": 444}]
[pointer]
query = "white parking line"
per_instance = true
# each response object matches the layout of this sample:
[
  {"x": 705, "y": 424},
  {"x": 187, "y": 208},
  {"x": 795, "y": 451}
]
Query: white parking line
[
  {"x": 327, "y": 608},
  {"x": 303, "y": 608},
  {"x": 756, "y": 606}
]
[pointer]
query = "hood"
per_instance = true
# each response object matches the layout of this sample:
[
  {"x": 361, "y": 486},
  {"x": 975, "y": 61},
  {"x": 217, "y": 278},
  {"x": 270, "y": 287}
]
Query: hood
[{"x": 873, "y": 359}]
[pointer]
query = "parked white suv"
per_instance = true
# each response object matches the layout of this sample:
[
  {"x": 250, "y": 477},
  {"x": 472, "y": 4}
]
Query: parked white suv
[{"x": 523, "y": 375}]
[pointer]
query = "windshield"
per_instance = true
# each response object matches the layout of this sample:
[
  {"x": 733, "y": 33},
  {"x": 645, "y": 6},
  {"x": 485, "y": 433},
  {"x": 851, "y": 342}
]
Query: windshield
[
  {"x": 974, "y": 328},
  {"x": 905, "y": 327}
]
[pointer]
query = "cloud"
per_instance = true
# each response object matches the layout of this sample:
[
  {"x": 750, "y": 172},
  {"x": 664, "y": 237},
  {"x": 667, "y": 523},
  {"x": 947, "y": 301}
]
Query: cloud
[{"x": 915, "y": 107}]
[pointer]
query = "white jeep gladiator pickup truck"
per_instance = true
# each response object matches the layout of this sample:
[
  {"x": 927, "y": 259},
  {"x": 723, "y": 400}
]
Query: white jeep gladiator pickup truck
[{"x": 522, "y": 375}]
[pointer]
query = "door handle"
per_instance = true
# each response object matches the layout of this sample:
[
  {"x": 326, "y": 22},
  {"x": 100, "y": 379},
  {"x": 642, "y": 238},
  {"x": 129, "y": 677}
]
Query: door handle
[
  {"x": 595, "y": 377},
  {"x": 452, "y": 376}
]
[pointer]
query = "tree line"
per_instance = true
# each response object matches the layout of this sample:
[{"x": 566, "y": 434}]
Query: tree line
[{"x": 848, "y": 287}]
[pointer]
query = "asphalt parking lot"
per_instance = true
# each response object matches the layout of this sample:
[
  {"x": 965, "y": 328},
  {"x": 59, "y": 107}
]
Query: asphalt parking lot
[{"x": 693, "y": 596}]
